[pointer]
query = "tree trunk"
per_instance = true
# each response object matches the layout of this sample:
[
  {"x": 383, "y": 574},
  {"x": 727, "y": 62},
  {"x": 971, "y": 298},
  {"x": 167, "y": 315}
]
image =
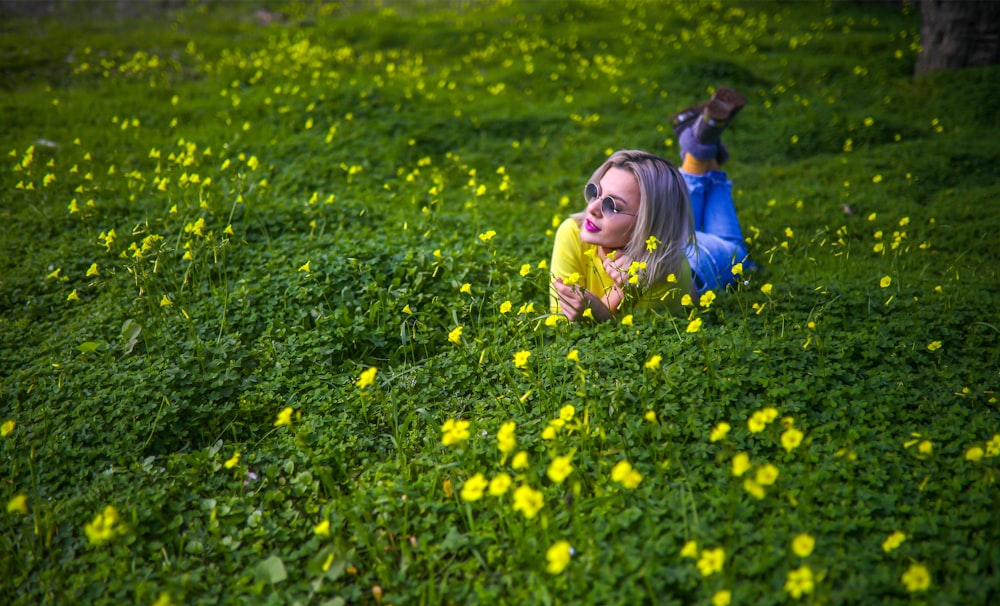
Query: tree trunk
[{"x": 958, "y": 33}]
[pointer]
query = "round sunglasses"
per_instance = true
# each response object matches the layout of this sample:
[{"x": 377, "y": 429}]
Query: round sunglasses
[{"x": 608, "y": 206}]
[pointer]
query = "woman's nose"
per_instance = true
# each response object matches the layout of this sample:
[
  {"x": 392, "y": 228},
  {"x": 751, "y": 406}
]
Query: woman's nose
[{"x": 594, "y": 207}]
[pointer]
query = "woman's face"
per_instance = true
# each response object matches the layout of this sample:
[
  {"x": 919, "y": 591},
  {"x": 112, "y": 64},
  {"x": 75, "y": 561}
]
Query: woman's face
[{"x": 608, "y": 229}]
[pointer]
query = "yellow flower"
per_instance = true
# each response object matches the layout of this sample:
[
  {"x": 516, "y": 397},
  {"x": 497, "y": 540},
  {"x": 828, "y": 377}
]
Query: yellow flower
[
  {"x": 521, "y": 358},
  {"x": 620, "y": 471},
  {"x": 466, "y": 288},
  {"x": 7, "y": 428},
  {"x": 573, "y": 356},
  {"x": 473, "y": 488},
  {"x": 528, "y": 501},
  {"x": 447, "y": 488},
  {"x": 572, "y": 279},
  {"x": 560, "y": 468},
  {"x": 803, "y": 545},
  {"x": 506, "y": 441},
  {"x": 974, "y": 454},
  {"x": 719, "y": 432},
  {"x": 455, "y": 336},
  {"x": 232, "y": 461},
  {"x": 650, "y": 416},
  {"x": 554, "y": 319},
  {"x": 766, "y": 475},
  {"x": 791, "y": 438},
  {"x": 926, "y": 447},
  {"x": 104, "y": 527},
  {"x": 916, "y": 578},
  {"x": 755, "y": 489},
  {"x": 631, "y": 479},
  {"x": 654, "y": 362},
  {"x": 757, "y": 422},
  {"x": 499, "y": 484},
  {"x": 19, "y": 504},
  {"x": 549, "y": 433},
  {"x": 766, "y": 289},
  {"x": 93, "y": 271},
  {"x": 558, "y": 556},
  {"x": 770, "y": 413},
  {"x": 690, "y": 550},
  {"x": 505, "y": 307},
  {"x": 694, "y": 326},
  {"x": 322, "y": 529},
  {"x": 885, "y": 282},
  {"x": 934, "y": 346},
  {"x": 893, "y": 541},
  {"x": 723, "y": 597},
  {"x": 651, "y": 243},
  {"x": 741, "y": 463},
  {"x": 706, "y": 299},
  {"x": 711, "y": 561},
  {"x": 566, "y": 413},
  {"x": 627, "y": 320},
  {"x": 367, "y": 377},
  {"x": 454, "y": 432},
  {"x": 284, "y": 417},
  {"x": 520, "y": 460},
  {"x": 737, "y": 269},
  {"x": 163, "y": 600},
  {"x": 525, "y": 269},
  {"x": 993, "y": 446},
  {"x": 305, "y": 267},
  {"x": 800, "y": 582},
  {"x": 165, "y": 301},
  {"x": 73, "y": 296},
  {"x": 527, "y": 308}
]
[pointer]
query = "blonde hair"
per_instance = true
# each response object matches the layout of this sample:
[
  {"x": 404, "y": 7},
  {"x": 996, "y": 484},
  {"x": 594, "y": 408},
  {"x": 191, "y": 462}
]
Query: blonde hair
[{"x": 664, "y": 213}]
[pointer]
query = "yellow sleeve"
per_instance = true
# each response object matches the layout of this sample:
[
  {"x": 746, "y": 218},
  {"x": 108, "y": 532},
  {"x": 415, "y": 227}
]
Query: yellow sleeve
[
  {"x": 567, "y": 257},
  {"x": 666, "y": 294}
]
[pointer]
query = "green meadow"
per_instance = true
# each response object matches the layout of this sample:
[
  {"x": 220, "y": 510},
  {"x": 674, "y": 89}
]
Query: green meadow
[{"x": 274, "y": 320}]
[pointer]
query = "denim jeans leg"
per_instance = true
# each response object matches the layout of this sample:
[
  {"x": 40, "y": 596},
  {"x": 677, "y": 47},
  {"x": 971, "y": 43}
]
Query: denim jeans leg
[{"x": 717, "y": 231}]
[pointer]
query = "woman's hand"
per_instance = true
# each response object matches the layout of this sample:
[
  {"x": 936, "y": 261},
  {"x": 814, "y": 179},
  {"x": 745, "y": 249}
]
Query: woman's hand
[
  {"x": 617, "y": 268},
  {"x": 575, "y": 300},
  {"x": 571, "y": 299}
]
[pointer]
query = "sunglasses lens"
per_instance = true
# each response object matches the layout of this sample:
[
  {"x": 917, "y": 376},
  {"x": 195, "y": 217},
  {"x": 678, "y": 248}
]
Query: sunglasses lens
[
  {"x": 608, "y": 206},
  {"x": 590, "y": 191}
]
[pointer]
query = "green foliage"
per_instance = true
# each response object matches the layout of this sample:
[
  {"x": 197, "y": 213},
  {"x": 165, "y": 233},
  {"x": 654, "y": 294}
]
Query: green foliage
[{"x": 236, "y": 256}]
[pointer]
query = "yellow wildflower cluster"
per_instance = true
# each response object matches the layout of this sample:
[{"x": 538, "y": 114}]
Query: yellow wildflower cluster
[
  {"x": 104, "y": 526},
  {"x": 565, "y": 420},
  {"x": 454, "y": 432},
  {"x": 626, "y": 475},
  {"x": 760, "y": 419},
  {"x": 800, "y": 582}
]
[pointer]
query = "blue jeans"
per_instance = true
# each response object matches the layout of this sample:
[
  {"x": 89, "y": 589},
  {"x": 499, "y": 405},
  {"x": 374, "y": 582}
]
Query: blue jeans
[{"x": 718, "y": 239}]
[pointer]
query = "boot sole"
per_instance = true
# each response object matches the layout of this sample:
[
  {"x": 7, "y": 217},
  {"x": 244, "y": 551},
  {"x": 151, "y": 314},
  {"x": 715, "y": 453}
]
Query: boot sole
[{"x": 724, "y": 104}]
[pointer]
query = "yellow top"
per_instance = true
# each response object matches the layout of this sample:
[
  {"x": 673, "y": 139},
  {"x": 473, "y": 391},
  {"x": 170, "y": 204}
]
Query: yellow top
[{"x": 570, "y": 255}]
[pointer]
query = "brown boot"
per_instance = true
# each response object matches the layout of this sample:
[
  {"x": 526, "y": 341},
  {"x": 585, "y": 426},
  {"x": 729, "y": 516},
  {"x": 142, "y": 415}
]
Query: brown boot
[{"x": 702, "y": 138}]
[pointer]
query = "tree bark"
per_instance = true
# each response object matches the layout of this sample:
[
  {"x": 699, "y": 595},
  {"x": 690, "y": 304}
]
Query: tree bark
[{"x": 956, "y": 34}]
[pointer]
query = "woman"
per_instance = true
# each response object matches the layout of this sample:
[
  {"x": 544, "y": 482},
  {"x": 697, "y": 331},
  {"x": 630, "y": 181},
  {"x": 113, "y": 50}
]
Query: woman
[{"x": 647, "y": 225}]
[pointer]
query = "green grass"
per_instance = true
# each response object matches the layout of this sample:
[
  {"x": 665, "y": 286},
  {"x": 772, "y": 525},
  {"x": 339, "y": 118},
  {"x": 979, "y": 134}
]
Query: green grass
[{"x": 378, "y": 147}]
